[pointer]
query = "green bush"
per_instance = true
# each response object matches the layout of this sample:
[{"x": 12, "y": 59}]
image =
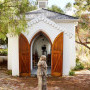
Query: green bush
[
  {"x": 71, "y": 73},
  {"x": 77, "y": 60},
  {"x": 89, "y": 69},
  {"x": 79, "y": 66},
  {"x": 3, "y": 52},
  {"x": 86, "y": 64},
  {"x": 9, "y": 72}
]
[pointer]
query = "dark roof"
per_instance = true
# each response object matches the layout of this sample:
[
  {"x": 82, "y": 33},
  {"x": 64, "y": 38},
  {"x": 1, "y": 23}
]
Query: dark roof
[{"x": 49, "y": 14}]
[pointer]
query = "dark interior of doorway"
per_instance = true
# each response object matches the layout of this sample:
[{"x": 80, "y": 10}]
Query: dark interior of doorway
[{"x": 44, "y": 51}]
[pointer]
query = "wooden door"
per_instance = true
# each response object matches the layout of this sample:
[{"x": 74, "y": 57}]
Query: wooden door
[
  {"x": 24, "y": 56},
  {"x": 57, "y": 56}
]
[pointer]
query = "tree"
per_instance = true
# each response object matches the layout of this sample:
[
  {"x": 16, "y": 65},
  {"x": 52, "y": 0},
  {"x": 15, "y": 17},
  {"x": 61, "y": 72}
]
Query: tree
[
  {"x": 56, "y": 9},
  {"x": 81, "y": 6},
  {"x": 83, "y": 28},
  {"x": 4, "y": 42},
  {"x": 68, "y": 6},
  {"x": 12, "y": 16},
  {"x": 83, "y": 31}
]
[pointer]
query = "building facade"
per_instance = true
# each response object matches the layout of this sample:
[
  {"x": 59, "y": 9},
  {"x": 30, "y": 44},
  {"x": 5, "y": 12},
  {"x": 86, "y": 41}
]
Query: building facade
[{"x": 48, "y": 33}]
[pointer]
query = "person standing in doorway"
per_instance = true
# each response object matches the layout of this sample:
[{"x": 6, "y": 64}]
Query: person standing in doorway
[{"x": 42, "y": 73}]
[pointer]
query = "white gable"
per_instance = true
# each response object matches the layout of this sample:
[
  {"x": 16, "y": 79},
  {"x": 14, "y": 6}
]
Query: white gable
[{"x": 44, "y": 24}]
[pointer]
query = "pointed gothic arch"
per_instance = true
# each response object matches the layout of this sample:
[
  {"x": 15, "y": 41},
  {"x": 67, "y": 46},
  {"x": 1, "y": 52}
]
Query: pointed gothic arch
[
  {"x": 43, "y": 34},
  {"x": 31, "y": 45}
]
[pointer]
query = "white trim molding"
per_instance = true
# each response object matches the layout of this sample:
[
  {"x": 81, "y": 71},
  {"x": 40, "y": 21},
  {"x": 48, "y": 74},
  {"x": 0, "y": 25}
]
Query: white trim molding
[{"x": 53, "y": 24}]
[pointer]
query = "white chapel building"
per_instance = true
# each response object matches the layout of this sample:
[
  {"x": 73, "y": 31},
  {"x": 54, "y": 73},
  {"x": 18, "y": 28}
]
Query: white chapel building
[{"x": 49, "y": 33}]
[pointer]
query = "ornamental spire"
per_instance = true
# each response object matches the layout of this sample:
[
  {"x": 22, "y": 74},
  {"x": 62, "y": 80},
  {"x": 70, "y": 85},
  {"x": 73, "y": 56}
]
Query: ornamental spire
[{"x": 42, "y": 3}]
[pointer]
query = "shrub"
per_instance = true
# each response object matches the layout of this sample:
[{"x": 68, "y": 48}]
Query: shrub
[
  {"x": 89, "y": 69},
  {"x": 79, "y": 66},
  {"x": 9, "y": 72},
  {"x": 71, "y": 73},
  {"x": 86, "y": 64},
  {"x": 3, "y": 52},
  {"x": 77, "y": 60}
]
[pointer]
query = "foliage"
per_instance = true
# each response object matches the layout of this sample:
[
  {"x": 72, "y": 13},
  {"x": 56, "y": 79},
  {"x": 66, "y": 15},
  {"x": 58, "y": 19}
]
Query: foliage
[
  {"x": 12, "y": 16},
  {"x": 82, "y": 9},
  {"x": 83, "y": 54},
  {"x": 89, "y": 69},
  {"x": 86, "y": 64},
  {"x": 56, "y": 9},
  {"x": 3, "y": 42},
  {"x": 84, "y": 22},
  {"x": 3, "y": 52},
  {"x": 71, "y": 73},
  {"x": 77, "y": 60},
  {"x": 81, "y": 6},
  {"x": 79, "y": 65},
  {"x": 68, "y": 6},
  {"x": 9, "y": 72},
  {"x": 83, "y": 29}
]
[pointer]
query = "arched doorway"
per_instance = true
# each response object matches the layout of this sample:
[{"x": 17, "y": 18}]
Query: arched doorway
[{"x": 40, "y": 45}]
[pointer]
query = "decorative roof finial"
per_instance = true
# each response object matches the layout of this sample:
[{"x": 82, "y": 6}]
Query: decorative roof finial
[{"x": 42, "y": 3}]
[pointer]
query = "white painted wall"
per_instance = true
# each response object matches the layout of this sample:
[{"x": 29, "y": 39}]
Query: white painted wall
[
  {"x": 15, "y": 61},
  {"x": 10, "y": 47},
  {"x": 52, "y": 31},
  {"x": 41, "y": 26},
  {"x": 13, "y": 55},
  {"x": 69, "y": 60}
]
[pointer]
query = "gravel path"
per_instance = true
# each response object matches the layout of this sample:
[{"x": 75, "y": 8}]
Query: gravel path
[{"x": 81, "y": 81}]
